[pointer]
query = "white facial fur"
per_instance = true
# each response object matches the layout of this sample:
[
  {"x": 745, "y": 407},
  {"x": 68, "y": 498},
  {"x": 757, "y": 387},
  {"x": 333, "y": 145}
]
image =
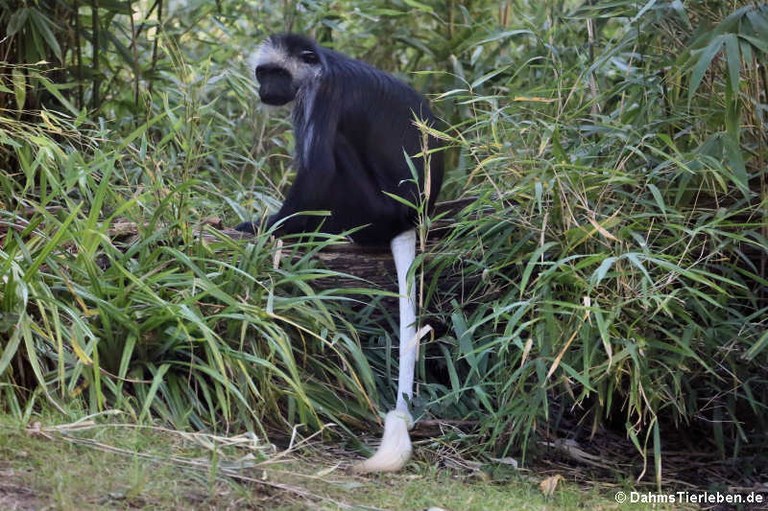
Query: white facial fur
[
  {"x": 302, "y": 73},
  {"x": 268, "y": 53}
]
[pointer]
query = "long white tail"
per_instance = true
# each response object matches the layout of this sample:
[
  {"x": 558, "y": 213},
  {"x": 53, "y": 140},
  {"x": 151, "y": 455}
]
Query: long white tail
[{"x": 395, "y": 449}]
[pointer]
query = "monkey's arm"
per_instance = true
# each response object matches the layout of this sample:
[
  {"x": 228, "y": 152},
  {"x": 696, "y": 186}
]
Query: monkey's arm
[
  {"x": 303, "y": 196},
  {"x": 306, "y": 194},
  {"x": 315, "y": 128}
]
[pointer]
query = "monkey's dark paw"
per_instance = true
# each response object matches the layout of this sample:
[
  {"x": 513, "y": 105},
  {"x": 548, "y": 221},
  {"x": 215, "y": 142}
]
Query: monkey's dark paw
[{"x": 249, "y": 227}]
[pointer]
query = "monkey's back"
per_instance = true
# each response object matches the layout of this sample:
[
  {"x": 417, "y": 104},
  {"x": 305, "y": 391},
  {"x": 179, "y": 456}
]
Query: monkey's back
[{"x": 376, "y": 131}]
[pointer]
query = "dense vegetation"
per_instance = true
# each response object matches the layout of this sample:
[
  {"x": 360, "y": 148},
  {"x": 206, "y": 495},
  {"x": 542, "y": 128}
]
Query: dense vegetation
[{"x": 613, "y": 265}]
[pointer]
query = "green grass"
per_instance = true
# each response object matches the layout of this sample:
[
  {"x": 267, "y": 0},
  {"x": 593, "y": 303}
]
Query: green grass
[{"x": 104, "y": 464}]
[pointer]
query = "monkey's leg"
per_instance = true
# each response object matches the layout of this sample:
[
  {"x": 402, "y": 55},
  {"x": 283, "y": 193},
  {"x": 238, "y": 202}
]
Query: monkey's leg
[{"x": 395, "y": 449}]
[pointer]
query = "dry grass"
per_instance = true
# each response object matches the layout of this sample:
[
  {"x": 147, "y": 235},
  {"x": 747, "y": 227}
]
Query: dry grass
[{"x": 100, "y": 464}]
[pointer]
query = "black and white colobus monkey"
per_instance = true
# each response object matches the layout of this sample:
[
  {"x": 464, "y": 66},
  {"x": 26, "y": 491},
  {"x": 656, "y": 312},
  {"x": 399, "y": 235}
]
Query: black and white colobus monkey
[{"x": 354, "y": 126}]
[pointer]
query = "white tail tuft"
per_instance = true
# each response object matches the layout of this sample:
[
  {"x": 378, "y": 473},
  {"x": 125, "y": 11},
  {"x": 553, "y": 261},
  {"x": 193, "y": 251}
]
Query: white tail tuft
[{"x": 395, "y": 449}]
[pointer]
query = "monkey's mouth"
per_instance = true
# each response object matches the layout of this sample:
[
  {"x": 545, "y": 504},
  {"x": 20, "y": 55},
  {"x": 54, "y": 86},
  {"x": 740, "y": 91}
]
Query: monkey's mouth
[{"x": 276, "y": 99}]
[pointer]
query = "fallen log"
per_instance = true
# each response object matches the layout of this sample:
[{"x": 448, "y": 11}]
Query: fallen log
[
  {"x": 373, "y": 264},
  {"x": 364, "y": 266}
]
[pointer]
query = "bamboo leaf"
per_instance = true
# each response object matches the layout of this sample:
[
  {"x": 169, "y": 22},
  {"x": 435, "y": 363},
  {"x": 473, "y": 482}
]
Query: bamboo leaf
[
  {"x": 602, "y": 270},
  {"x": 533, "y": 262},
  {"x": 19, "y": 87},
  {"x": 419, "y": 6},
  {"x": 757, "y": 348},
  {"x": 12, "y": 345},
  {"x": 43, "y": 26},
  {"x": 733, "y": 61},
  {"x": 157, "y": 381},
  {"x": 703, "y": 60},
  {"x": 17, "y": 20},
  {"x": 51, "y": 245},
  {"x": 758, "y": 19}
]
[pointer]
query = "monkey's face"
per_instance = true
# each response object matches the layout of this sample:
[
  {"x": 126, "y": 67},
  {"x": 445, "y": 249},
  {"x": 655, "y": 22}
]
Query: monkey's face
[
  {"x": 284, "y": 66},
  {"x": 276, "y": 85}
]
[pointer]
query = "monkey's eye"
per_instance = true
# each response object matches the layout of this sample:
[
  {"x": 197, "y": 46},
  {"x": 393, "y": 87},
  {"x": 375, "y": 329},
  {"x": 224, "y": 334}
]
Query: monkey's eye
[{"x": 309, "y": 57}]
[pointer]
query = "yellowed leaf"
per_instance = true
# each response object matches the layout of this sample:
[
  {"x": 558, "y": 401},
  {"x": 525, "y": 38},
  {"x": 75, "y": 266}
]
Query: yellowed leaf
[{"x": 549, "y": 485}]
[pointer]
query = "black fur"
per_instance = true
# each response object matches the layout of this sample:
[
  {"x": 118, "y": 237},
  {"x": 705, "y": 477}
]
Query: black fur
[{"x": 353, "y": 125}]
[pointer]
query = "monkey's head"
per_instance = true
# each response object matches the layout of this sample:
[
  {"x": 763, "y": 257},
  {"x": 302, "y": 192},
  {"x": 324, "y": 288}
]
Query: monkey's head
[{"x": 285, "y": 64}]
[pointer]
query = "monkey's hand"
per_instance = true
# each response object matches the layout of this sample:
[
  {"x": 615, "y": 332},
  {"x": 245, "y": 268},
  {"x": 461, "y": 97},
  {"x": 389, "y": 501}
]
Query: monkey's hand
[{"x": 249, "y": 227}]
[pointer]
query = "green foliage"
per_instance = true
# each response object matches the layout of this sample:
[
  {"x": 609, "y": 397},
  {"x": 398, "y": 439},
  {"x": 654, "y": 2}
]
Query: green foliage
[
  {"x": 623, "y": 231},
  {"x": 165, "y": 323},
  {"x": 613, "y": 266}
]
